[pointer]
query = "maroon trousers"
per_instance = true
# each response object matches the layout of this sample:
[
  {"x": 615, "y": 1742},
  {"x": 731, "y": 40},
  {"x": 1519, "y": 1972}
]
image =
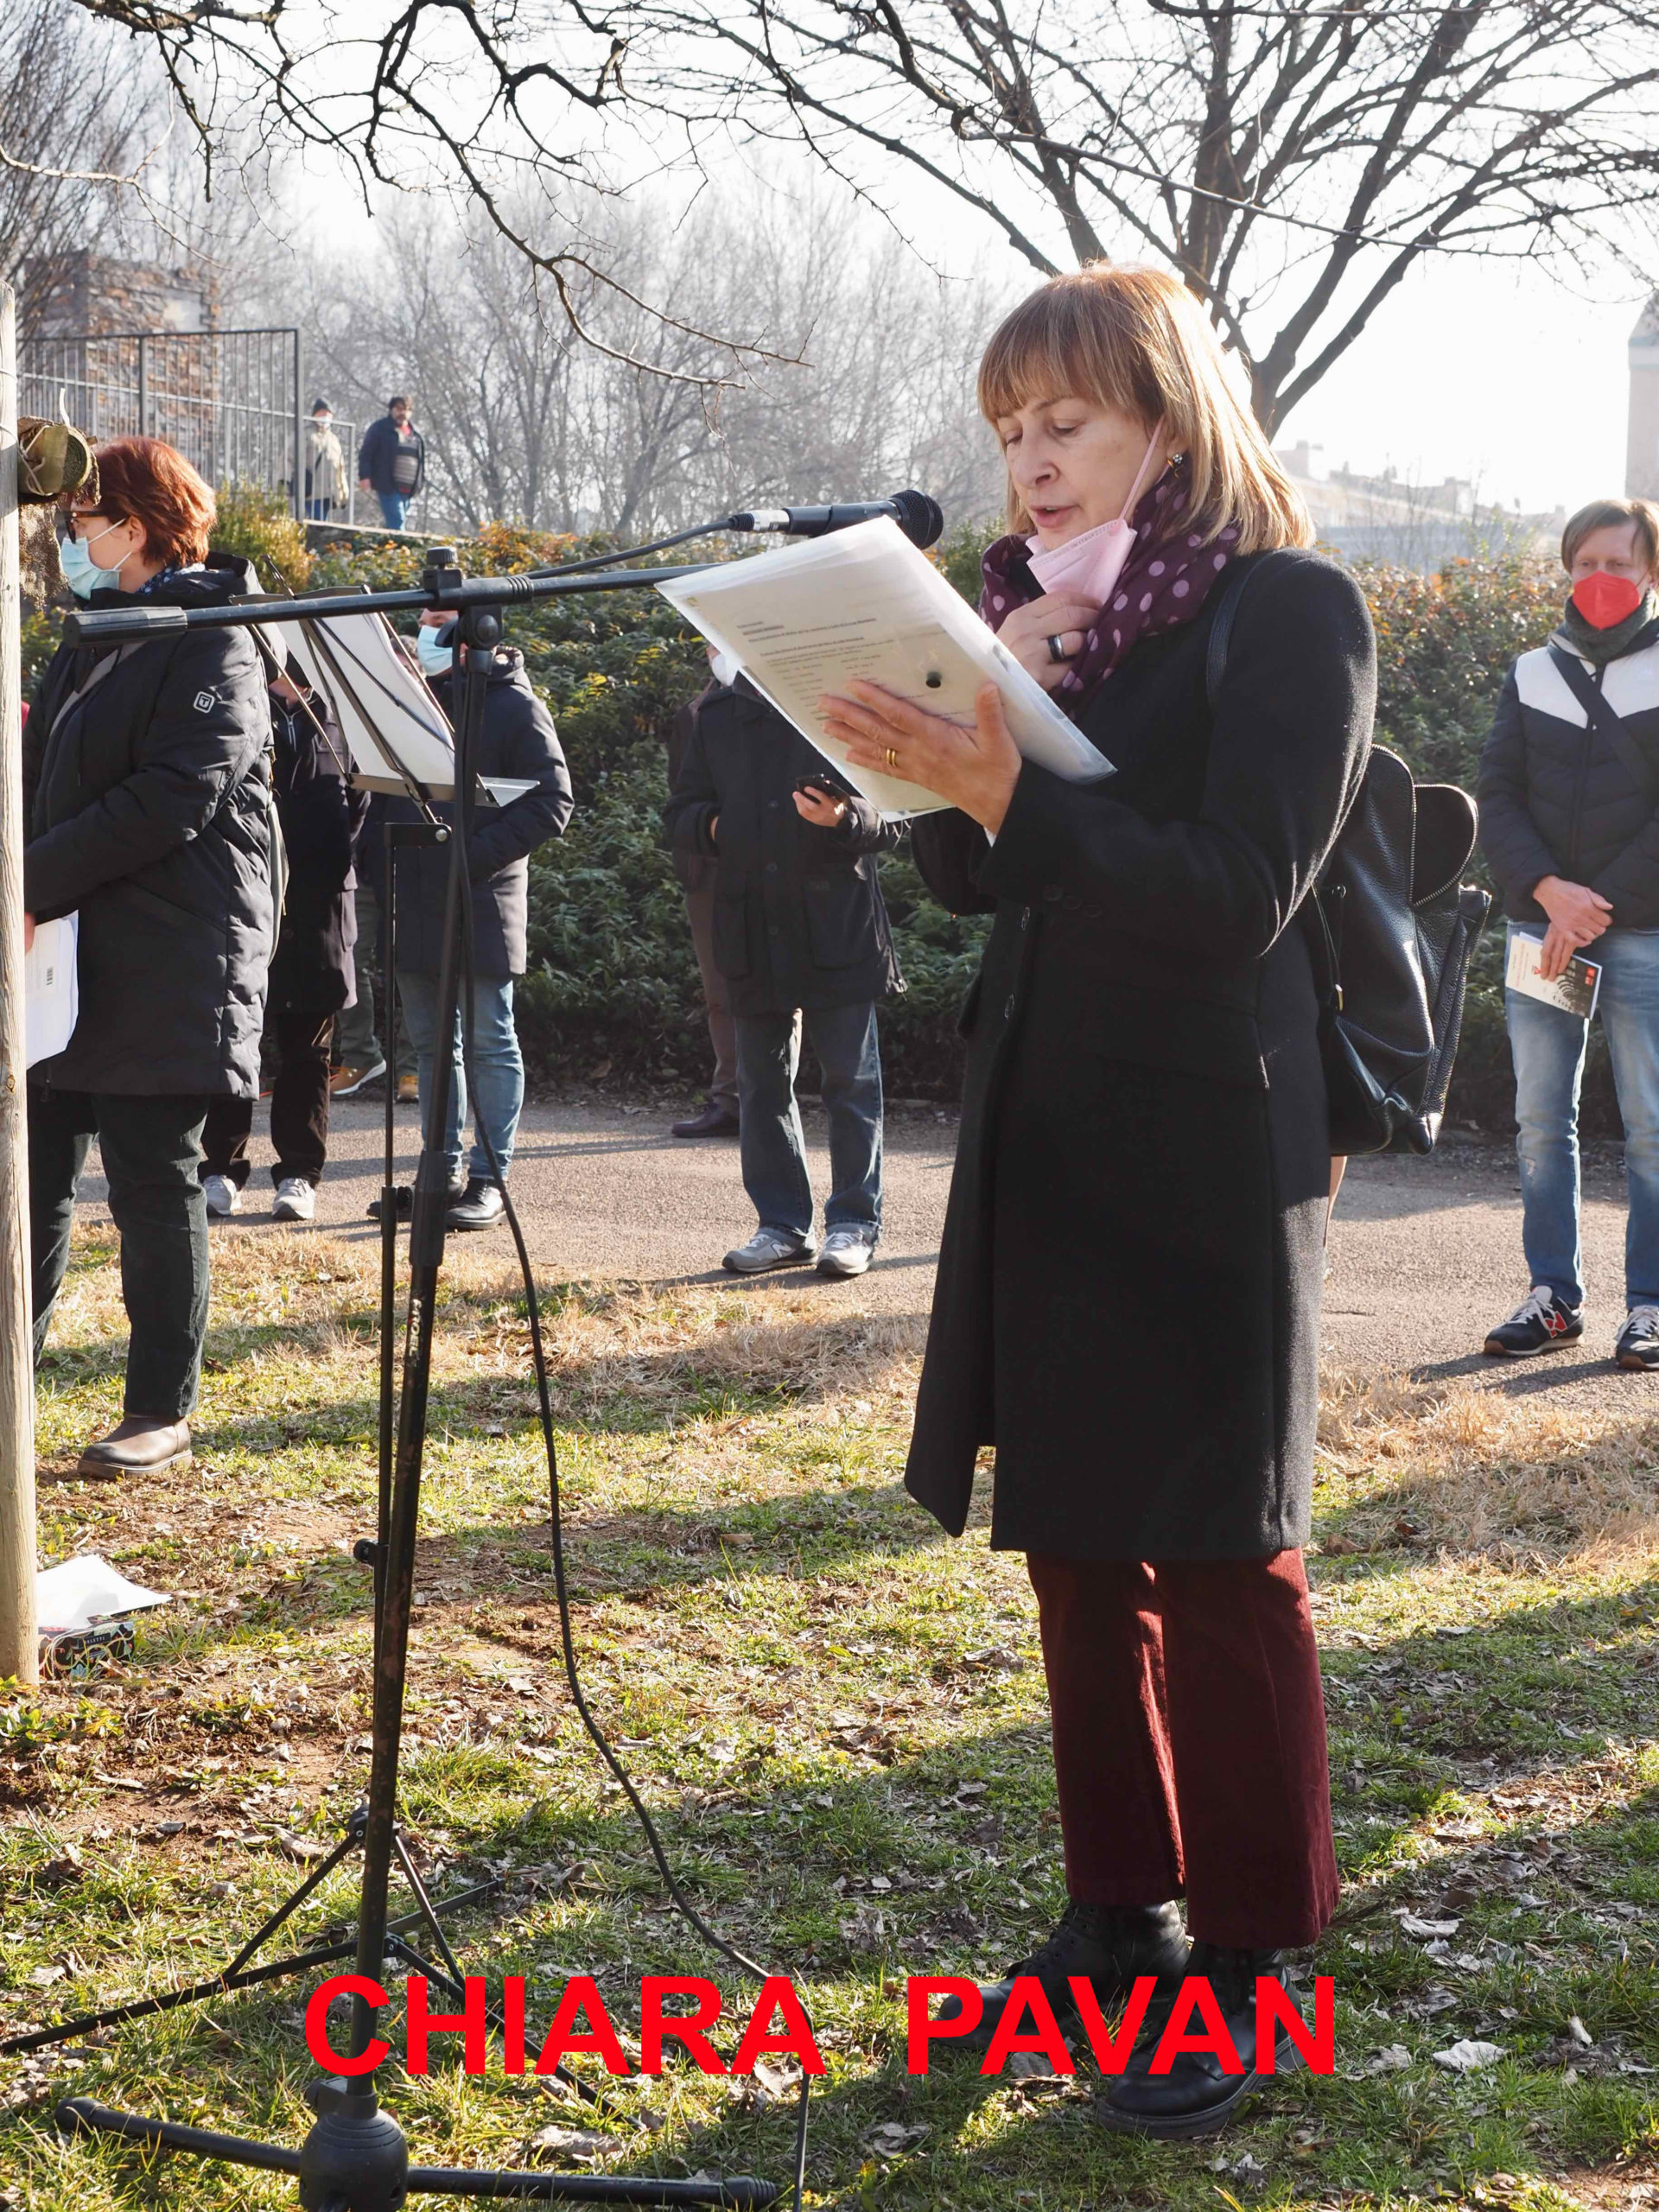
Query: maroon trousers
[{"x": 1189, "y": 1741}]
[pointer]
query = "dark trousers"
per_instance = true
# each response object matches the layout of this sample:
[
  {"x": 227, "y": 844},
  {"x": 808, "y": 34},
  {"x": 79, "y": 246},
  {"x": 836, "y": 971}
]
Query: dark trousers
[
  {"x": 299, "y": 1106},
  {"x": 716, "y": 995},
  {"x": 1189, "y": 1741},
  {"x": 771, "y": 1146},
  {"x": 152, "y": 1149}
]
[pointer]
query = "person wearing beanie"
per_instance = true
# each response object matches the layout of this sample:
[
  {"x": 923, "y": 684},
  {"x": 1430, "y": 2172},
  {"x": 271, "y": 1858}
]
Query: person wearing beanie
[{"x": 1569, "y": 808}]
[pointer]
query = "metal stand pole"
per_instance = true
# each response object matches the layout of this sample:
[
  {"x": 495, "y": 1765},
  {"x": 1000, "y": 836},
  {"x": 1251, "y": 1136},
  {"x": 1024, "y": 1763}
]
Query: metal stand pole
[{"x": 356, "y": 2158}]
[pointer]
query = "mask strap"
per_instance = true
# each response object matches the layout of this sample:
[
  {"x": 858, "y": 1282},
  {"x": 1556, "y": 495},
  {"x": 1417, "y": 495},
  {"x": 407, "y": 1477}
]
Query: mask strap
[{"x": 1140, "y": 473}]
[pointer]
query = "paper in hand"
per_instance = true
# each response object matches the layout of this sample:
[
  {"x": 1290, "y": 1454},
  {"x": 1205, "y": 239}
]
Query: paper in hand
[
  {"x": 51, "y": 988},
  {"x": 804, "y": 620}
]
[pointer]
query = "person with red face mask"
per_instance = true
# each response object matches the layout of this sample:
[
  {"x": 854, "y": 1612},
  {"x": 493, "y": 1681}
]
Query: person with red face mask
[{"x": 1569, "y": 805}]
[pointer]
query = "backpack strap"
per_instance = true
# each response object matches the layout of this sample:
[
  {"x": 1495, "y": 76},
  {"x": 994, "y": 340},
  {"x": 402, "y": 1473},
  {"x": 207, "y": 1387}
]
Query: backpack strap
[
  {"x": 1229, "y": 593},
  {"x": 1603, "y": 718}
]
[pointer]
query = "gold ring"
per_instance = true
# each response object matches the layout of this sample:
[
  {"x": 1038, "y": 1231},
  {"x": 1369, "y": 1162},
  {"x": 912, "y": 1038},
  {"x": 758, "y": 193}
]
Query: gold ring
[{"x": 893, "y": 758}]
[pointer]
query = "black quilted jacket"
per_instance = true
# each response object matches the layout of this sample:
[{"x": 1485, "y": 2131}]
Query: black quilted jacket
[{"x": 1556, "y": 799}]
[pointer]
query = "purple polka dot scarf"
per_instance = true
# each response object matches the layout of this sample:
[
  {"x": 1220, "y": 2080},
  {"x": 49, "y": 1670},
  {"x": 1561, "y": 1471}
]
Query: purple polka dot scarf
[{"x": 1164, "y": 583}]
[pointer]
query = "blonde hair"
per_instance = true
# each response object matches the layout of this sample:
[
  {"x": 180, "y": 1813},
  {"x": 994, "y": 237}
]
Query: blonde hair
[
  {"x": 1611, "y": 514},
  {"x": 1135, "y": 338}
]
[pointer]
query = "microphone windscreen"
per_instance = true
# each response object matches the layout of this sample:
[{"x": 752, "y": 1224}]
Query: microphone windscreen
[{"x": 921, "y": 520}]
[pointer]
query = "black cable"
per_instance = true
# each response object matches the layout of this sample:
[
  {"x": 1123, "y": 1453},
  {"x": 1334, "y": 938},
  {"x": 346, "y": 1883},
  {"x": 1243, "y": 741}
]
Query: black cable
[
  {"x": 681, "y": 1903},
  {"x": 631, "y": 552}
]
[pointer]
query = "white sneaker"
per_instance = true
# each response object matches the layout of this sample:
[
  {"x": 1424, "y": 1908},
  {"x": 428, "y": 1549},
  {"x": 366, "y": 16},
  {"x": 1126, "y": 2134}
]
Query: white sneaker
[
  {"x": 296, "y": 1199},
  {"x": 222, "y": 1196},
  {"x": 847, "y": 1250}
]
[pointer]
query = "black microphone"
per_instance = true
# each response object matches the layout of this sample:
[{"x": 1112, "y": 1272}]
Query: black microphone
[{"x": 921, "y": 520}]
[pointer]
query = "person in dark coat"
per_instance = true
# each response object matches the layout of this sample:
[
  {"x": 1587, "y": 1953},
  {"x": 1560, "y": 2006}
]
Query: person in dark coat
[
  {"x": 696, "y": 873},
  {"x": 312, "y": 975},
  {"x": 801, "y": 936},
  {"x": 1569, "y": 820},
  {"x": 1128, "y": 1284},
  {"x": 147, "y": 796},
  {"x": 519, "y": 745},
  {"x": 391, "y": 461}
]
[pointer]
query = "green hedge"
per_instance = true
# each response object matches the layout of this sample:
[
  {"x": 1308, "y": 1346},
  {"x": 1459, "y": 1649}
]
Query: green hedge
[{"x": 614, "y": 992}]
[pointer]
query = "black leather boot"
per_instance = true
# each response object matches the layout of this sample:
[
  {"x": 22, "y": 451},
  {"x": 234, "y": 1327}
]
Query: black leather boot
[
  {"x": 1195, "y": 2097},
  {"x": 1112, "y": 1945}
]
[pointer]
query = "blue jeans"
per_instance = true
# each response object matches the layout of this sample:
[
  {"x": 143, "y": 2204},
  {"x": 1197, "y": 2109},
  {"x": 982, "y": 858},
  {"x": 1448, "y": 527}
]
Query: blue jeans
[
  {"x": 498, "y": 1067},
  {"x": 1548, "y": 1048},
  {"x": 394, "y": 505},
  {"x": 319, "y": 510},
  {"x": 770, "y": 1141}
]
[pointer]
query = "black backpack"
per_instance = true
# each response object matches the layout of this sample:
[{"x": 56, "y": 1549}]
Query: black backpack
[{"x": 1392, "y": 932}]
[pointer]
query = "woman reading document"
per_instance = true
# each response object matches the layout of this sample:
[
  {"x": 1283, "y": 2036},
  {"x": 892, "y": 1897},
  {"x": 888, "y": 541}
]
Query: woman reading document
[{"x": 1129, "y": 1283}]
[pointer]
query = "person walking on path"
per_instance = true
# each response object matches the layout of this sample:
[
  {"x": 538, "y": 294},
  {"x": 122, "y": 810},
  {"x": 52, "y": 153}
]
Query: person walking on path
[
  {"x": 312, "y": 974},
  {"x": 520, "y": 745},
  {"x": 1569, "y": 821},
  {"x": 1128, "y": 1300},
  {"x": 391, "y": 461},
  {"x": 801, "y": 938},
  {"x": 326, "y": 480},
  {"x": 697, "y": 873},
  {"x": 146, "y": 794}
]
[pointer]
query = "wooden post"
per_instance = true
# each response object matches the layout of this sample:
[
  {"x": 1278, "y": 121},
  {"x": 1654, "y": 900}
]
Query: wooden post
[{"x": 19, "y": 1644}]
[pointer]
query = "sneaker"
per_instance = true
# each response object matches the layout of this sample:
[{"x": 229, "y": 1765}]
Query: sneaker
[
  {"x": 1109, "y": 1946},
  {"x": 222, "y": 1195},
  {"x": 409, "y": 1090},
  {"x": 295, "y": 1199},
  {"x": 847, "y": 1250},
  {"x": 346, "y": 1079},
  {"x": 770, "y": 1248},
  {"x": 1541, "y": 1324},
  {"x": 480, "y": 1205},
  {"x": 1638, "y": 1340}
]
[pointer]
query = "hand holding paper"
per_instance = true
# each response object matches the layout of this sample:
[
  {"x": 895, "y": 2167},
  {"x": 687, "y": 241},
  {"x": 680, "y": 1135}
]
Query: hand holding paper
[{"x": 975, "y": 769}]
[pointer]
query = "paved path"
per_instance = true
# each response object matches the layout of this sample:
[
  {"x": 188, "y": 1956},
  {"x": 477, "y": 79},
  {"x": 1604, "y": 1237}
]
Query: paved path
[{"x": 1425, "y": 1255}]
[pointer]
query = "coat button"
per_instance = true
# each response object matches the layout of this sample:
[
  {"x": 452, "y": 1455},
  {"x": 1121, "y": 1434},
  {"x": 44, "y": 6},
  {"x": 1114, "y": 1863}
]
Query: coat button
[
  {"x": 771, "y": 868},
  {"x": 1093, "y": 913},
  {"x": 1051, "y": 891},
  {"x": 772, "y": 803},
  {"x": 1072, "y": 904}
]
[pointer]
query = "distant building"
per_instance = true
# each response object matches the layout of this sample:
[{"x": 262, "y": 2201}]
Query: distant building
[
  {"x": 1409, "y": 525},
  {"x": 94, "y": 295},
  {"x": 1641, "y": 441}
]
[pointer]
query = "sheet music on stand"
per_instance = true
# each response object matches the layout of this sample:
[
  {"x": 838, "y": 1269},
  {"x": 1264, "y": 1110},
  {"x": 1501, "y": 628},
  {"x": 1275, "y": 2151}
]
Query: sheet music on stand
[{"x": 397, "y": 734}]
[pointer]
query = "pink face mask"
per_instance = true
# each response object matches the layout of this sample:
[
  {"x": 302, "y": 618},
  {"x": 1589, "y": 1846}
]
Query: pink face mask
[{"x": 1092, "y": 565}]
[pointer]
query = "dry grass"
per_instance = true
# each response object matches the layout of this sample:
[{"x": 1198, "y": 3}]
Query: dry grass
[{"x": 1469, "y": 1471}]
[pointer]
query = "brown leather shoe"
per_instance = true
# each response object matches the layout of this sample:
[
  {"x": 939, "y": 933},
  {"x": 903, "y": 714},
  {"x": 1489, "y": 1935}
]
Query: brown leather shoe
[
  {"x": 409, "y": 1090},
  {"x": 142, "y": 1444},
  {"x": 714, "y": 1120}
]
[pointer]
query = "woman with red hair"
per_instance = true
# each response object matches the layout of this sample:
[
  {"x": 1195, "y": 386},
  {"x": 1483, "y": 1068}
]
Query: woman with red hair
[{"x": 146, "y": 776}]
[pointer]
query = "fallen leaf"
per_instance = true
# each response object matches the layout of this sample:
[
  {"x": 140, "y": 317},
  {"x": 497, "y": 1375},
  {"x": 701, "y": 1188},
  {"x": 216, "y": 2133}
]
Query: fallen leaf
[
  {"x": 891, "y": 2140},
  {"x": 300, "y": 1846},
  {"x": 1578, "y": 2032},
  {"x": 1411, "y": 1925},
  {"x": 580, "y": 2144},
  {"x": 1468, "y": 2056},
  {"x": 1389, "y": 2060}
]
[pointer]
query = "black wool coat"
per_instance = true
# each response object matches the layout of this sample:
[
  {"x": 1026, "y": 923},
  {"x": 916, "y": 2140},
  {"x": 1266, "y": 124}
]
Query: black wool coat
[
  {"x": 1128, "y": 1297},
  {"x": 799, "y": 920},
  {"x": 146, "y": 785},
  {"x": 1557, "y": 799},
  {"x": 519, "y": 745},
  {"x": 379, "y": 450},
  {"x": 321, "y": 817}
]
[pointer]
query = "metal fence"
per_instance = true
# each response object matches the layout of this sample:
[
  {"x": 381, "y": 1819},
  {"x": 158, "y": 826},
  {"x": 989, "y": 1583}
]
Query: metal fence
[{"x": 230, "y": 400}]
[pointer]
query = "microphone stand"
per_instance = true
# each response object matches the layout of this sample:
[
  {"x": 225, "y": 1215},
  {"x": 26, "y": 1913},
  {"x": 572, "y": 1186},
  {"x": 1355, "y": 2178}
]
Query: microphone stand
[{"x": 356, "y": 2158}]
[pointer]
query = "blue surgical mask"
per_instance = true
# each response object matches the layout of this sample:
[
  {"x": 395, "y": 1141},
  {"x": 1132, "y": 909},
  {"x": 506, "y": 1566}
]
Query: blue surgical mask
[
  {"x": 80, "y": 572},
  {"x": 434, "y": 659}
]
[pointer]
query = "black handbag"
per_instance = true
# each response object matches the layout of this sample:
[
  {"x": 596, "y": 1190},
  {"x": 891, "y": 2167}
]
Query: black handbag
[{"x": 1391, "y": 931}]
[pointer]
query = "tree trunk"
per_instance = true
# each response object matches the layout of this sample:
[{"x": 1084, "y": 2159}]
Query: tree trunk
[{"x": 19, "y": 1646}]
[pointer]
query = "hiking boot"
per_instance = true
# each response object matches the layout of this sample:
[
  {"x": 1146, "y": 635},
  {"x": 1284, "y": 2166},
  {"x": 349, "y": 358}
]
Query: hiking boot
[
  {"x": 1195, "y": 2097},
  {"x": 222, "y": 1196},
  {"x": 295, "y": 1199},
  {"x": 1541, "y": 1322},
  {"x": 714, "y": 1120},
  {"x": 142, "y": 1444},
  {"x": 409, "y": 1090},
  {"x": 480, "y": 1205},
  {"x": 346, "y": 1080},
  {"x": 1638, "y": 1340},
  {"x": 770, "y": 1248},
  {"x": 1111, "y": 1945},
  {"x": 847, "y": 1250}
]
